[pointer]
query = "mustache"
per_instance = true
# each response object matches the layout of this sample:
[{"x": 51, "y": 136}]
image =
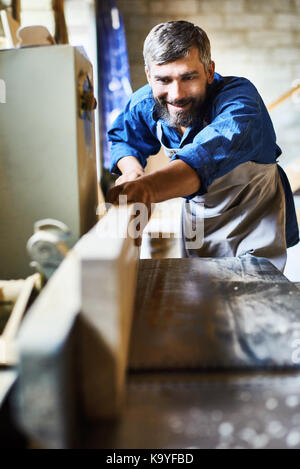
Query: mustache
[{"x": 179, "y": 102}]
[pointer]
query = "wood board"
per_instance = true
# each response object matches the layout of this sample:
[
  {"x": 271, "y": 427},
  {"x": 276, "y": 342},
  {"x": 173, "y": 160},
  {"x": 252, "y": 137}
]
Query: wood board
[{"x": 230, "y": 313}]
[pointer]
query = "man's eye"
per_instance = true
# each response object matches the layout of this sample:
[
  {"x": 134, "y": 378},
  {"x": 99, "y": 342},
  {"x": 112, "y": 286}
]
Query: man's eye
[
  {"x": 188, "y": 78},
  {"x": 163, "y": 80}
]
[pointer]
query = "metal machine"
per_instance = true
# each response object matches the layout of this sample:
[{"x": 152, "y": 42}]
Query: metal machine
[{"x": 47, "y": 147}]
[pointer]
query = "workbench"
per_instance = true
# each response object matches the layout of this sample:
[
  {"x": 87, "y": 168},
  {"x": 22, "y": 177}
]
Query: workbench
[{"x": 213, "y": 358}]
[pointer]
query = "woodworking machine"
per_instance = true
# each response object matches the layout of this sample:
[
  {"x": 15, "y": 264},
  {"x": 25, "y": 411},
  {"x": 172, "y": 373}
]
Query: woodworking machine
[
  {"x": 47, "y": 148},
  {"x": 115, "y": 351},
  {"x": 122, "y": 352}
]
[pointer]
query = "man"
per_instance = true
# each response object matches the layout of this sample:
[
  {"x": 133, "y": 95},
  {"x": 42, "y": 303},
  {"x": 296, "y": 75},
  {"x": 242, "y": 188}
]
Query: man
[{"x": 221, "y": 143}]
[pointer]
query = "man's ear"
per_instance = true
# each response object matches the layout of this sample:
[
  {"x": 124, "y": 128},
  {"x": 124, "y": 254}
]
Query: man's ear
[
  {"x": 147, "y": 74},
  {"x": 211, "y": 72}
]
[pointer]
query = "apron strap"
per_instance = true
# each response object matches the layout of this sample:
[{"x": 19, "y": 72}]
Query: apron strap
[{"x": 168, "y": 151}]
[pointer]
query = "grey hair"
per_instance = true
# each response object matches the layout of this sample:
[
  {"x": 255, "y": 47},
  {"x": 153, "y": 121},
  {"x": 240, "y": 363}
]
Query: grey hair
[{"x": 170, "y": 41}]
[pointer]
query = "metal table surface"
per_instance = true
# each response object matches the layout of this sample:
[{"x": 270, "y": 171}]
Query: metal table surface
[{"x": 214, "y": 359}]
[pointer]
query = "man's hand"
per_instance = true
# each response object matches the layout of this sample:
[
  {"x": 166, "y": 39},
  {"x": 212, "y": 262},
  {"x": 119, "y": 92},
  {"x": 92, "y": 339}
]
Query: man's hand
[
  {"x": 138, "y": 192},
  {"x": 130, "y": 168},
  {"x": 177, "y": 179},
  {"x": 129, "y": 176},
  {"x": 131, "y": 191}
]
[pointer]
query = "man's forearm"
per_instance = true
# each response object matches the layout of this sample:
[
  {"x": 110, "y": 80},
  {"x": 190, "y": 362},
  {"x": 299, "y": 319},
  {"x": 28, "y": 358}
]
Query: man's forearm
[
  {"x": 130, "y": 164},
  {"x": 177, "y": 179},
  {"x": 130, "y": 168}
]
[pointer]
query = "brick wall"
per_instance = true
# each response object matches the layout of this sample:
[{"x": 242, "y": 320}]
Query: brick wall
[{"x": 253, "y": 38}]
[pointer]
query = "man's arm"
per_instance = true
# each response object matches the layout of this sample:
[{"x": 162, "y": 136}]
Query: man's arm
[
  {"x": 177, "y": 179},
  {"x": 130, "y": 168},
  {"x": 133, "y": 133}
]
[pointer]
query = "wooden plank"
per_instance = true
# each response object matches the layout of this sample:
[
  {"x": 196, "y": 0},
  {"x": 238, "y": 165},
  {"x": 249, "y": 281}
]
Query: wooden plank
[
  {"x": 109, "y": 263},
  {"x": 185, "y": 387},
  {"x": 74, "y": 343},
  {"x": 204, "y": 410},
  {"x": 46, "y": 403},
  {"x": 74, "y": 340},
  {"x": 213, "y": 314}
]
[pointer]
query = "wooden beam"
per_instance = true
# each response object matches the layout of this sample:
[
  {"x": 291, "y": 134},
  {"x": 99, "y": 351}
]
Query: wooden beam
[
  {"x": 47, "y": 391},
  {"x": 109, "y": 263},
  {"x": 74, "y": 340},
  {"x": 283, "y": 97}
]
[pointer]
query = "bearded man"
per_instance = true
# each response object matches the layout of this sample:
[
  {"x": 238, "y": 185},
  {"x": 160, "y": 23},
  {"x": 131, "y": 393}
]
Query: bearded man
[{"x": 222, "y": 148}]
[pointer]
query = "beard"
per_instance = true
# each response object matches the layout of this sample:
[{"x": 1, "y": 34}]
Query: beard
[{"x": 185, "y": 118}]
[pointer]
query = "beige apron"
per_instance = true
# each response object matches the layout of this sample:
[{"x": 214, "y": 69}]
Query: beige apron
[{"x": 244, "y": 213}]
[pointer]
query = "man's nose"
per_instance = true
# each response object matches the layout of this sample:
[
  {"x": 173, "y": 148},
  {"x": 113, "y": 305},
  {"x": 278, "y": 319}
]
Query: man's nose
[{"x": 176, "y": 91}]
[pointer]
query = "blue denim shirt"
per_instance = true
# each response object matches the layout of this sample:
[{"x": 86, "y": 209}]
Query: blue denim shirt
[{"x": 234, "y": 127}]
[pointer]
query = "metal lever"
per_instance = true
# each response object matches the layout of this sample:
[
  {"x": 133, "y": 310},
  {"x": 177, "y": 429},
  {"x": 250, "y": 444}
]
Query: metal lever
[{"x": 47, "y": 247}]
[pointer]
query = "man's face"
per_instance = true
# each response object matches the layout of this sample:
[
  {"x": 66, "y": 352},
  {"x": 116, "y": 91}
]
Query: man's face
[{"x": 180, "y": 87}]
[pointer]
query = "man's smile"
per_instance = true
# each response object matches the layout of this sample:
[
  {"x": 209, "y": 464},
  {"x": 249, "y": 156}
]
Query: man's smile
[
  {"x": 182, "y": 112},
  {"x": 179, "y": 105}
]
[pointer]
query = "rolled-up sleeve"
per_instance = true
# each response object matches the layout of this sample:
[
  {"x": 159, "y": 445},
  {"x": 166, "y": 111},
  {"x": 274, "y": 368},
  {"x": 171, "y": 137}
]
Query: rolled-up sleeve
[
  {"x": 133, "y": 133},
  {"x": 234, "y": 135}
]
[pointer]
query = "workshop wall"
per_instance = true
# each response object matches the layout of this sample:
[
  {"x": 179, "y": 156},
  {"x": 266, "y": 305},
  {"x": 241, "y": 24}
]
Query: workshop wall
[{"x": 251, "y": 38}]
